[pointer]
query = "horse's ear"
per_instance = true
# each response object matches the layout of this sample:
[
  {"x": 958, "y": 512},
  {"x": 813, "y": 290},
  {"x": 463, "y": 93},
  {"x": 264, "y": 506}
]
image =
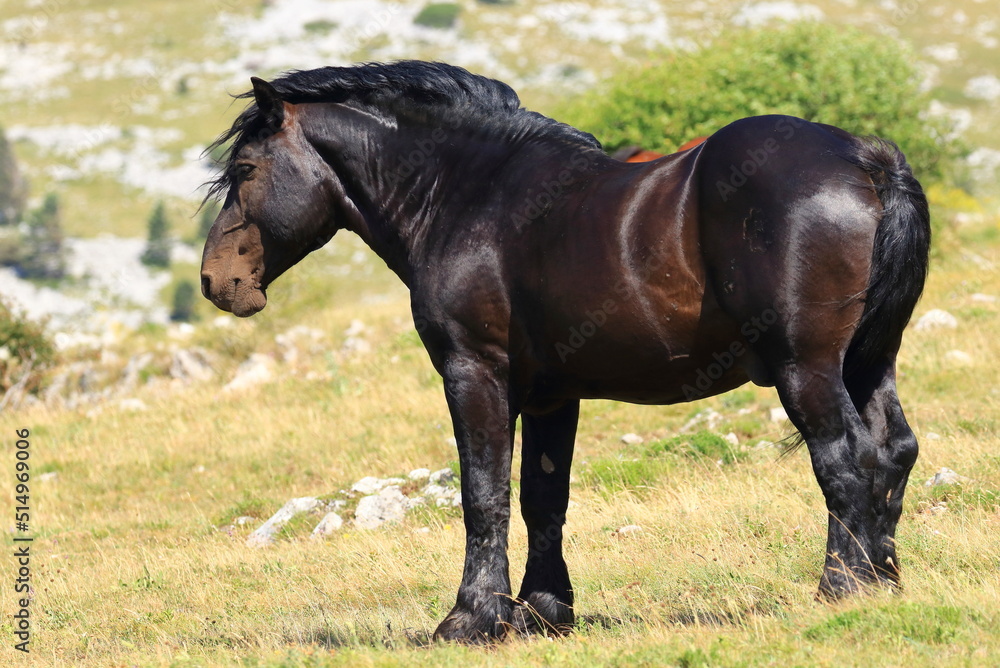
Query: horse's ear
[{"x": 269, "y": 102}]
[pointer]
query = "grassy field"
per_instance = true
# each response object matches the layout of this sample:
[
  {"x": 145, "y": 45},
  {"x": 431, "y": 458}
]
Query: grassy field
[{"x": 132, "y": 568}]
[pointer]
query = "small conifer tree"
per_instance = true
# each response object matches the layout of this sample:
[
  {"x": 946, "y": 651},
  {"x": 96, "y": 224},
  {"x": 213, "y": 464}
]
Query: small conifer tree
[{"x": 157, "y": 253}]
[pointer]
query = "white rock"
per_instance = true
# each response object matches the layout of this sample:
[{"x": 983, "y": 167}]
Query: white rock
[
  {"x": 46, "y": 477},
  {"x": 709, "y": 417},
  {"x": 355, "y": 345},
  {"x": 370, "y": 485},
  {"x": 264, "y": 535},
  {"x": 933, "y": 436},
  {"x": 243, "y": 519},
  {"x": 180, "y": 331},
  {"x": 632, "y": 439},
  {"x": 958, "y": 358},
  {"x": 132, "y": 405},
  {"x": 762, "y": 13},
  {"x": 936, "y": 319},
  {"x": 256, "y": 370},
  {"x": 946, "y": 476},
  {"x": 939, "y": 508},
  {"x": 136, "y": 363},
  {"x": 985, "y": 87},
  {"x": 419, "y": 474},
  {"x": 293, "y": 341},
  {"x": 628, "y": 529},
  {"x": 356, "y": 328},
  {"x": 330, "y": 523},
  {"x": 984, "y": 299},
  {"x": 732, "y": 438},
  {"x": 367, "y": 485},
  {"x": 441, "y": 477},
  {"x": 777, "y": 414},
  {"x": 188, "y": 365},
  {"x": 389, "y": 505}
]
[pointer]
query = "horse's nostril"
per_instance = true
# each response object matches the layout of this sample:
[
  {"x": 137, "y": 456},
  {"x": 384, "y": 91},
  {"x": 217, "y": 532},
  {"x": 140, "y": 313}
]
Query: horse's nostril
[{"x": 206, "y": 287}]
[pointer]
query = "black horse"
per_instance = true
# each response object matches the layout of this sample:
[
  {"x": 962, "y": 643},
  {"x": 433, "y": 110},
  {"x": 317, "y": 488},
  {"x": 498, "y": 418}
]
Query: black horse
[{"x": 542, "y": 272}]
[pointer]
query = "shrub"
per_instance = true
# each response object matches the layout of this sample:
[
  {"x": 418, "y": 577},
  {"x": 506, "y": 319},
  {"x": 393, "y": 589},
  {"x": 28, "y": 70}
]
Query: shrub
[
  {"x": 13, "y": 187},
  {"x": 25, "y": 349},
  {"x": 157, "y": 253},
  {"x": 184, "y": 297},
  {"x": 438, "y": 15},
  {"x": 840, "y": 76},
  {"x": 319, "y": 26}
]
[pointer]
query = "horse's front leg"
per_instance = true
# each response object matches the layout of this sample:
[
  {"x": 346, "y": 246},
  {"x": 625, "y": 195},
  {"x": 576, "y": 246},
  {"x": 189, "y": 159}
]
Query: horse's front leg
[{"x": 477, "y": 394}]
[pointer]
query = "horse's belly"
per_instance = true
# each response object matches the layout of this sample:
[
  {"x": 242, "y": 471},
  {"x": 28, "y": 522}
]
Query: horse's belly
[{"x": 689, "y": 361}]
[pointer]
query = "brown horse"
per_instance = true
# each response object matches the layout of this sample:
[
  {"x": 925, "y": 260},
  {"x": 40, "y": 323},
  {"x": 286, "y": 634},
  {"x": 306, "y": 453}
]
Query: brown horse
[
  {"x": 639, "y": 154},
  {"x": 543, "y": 272}
]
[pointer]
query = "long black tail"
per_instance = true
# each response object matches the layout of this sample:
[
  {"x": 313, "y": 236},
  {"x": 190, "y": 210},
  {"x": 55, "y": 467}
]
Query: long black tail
[{"x": 899, "y": 256}]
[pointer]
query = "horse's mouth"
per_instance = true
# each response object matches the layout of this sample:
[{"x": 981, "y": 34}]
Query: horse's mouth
[
  {"x": 242, "y": 298},
  {"x": 249, "y": 302}
]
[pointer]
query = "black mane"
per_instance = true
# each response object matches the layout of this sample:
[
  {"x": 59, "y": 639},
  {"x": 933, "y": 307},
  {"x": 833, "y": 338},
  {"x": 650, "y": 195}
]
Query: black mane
[{"x": 400, "y": 87}]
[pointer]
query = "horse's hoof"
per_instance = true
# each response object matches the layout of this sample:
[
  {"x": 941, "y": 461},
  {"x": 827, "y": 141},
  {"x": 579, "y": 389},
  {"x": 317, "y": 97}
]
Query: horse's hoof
[
  {"x": 837, "y": 585},
  {"x": 543, "y": 614},
  {"x": 463, "y": 627}
]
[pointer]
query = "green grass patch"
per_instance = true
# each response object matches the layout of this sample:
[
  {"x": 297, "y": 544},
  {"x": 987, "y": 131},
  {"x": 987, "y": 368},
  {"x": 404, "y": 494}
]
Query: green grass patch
[
  {"x": 700, "y": 444},
  {"x": 906, "y": 621},
  {"x": 438, "y": 15},
  {"x": 319, "y": 26}
]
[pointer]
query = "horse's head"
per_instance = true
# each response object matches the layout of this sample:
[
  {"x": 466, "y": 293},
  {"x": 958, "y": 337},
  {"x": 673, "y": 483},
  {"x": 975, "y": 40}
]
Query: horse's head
[{"x": 277, "y": 205}]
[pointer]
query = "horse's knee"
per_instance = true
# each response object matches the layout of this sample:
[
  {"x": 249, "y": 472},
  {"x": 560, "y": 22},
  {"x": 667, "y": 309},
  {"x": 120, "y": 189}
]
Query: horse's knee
[{"x": 905, "y": 450}]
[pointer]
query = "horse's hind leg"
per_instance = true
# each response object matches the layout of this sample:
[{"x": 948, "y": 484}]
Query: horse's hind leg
[
  {"x": 545, "y": 602},
  {"x": 874, "y": 393},
  {"x": 846, "y": 463}
]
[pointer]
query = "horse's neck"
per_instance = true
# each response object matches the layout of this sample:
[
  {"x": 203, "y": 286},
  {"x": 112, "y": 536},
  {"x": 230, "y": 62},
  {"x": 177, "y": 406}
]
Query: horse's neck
[{"x": 423, "y": 179}]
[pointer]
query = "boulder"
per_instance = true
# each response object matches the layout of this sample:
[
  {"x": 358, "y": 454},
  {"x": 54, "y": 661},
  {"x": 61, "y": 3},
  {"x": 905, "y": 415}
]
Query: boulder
[
  {"x": 388, "y": 506},
  {"x": 936, "y": 319},
  {"x": 265, "y": 534},
  {"x": 945, "y": 476},
  {"x": 191, "y": 365},
  {"x": 330, "y": 523},
  {"x": 258, "y": 369}
]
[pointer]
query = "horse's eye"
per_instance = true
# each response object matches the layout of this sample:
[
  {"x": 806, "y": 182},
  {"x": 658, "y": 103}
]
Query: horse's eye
[{"x": 245, "y": 170}]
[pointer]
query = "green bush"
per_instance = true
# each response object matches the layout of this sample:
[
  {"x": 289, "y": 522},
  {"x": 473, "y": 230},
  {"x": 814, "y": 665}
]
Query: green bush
[
  {"x": 25, "y": 348},
  {"x": 840, "y": 76},
  {"x": 438, "y": 15}
]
